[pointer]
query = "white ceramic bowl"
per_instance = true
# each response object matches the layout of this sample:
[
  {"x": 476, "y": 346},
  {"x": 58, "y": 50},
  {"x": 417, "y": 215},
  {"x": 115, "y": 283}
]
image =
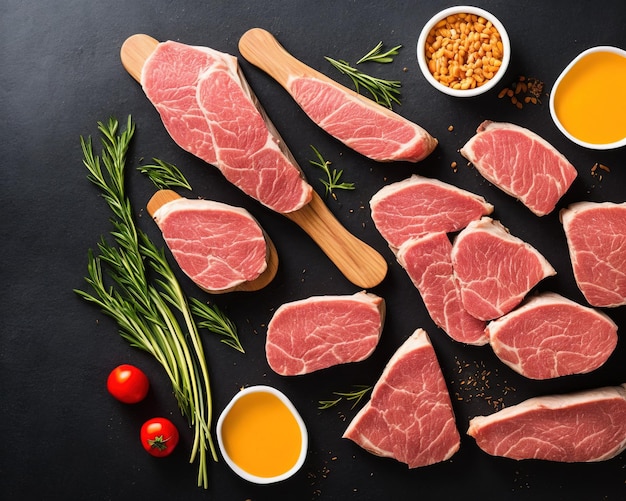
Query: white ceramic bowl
[
  {"x": 303, "y": 431},
  {"x": 555, "y": 118},
  {"x": 463, "y": 9}
]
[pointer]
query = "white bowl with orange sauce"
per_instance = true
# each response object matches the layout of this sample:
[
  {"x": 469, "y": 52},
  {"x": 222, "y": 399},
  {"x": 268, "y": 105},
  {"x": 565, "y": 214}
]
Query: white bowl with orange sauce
[
  {"x": 451, "y": 63},
  {"x": 587, "y": 100},
  {"x": 261, "y": 435}
]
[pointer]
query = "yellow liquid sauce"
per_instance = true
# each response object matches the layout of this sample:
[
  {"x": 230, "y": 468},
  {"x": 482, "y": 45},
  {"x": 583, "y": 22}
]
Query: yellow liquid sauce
[
  {"x": 590, "y": 101},
  {"x": 261, "y": 435}
]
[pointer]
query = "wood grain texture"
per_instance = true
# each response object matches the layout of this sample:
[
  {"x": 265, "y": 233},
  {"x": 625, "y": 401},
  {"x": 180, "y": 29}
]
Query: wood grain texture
[{"x": 358, "y": 262}]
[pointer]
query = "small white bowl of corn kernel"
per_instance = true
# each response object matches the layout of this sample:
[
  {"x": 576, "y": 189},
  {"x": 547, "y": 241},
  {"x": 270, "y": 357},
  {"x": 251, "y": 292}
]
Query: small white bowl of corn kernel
[{"x": 463, "y": 51}]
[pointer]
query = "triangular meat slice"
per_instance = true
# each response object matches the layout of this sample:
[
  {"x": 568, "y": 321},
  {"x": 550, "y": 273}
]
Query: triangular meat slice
[
  {"x": 520, "y": 163},
  {"x": 419, "y": 205},
  {"x": 409, "y": 416},
  {"x": 587, "y": 426},
  {"x": 427, "y": 260},
  {"x": 495, "y": 269}
]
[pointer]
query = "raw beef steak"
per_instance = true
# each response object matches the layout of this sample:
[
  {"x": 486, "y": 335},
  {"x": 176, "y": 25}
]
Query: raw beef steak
[
  {"x": 551, "y": 336},
  {"x": 587, "y": 426},
  {"x": 427, "y": 260},
  {"x": 419, "y": 205},
  {"x": 596, "y": 238},
  {"x": 218, "y": 246},
  {"x": 360, "y": 123},
  {"x": 409, "y": 416},
  {"x": 520, "y": 163},
  {"x": 322, "y": 331},
  {"x": 209, "y": 110},
  {"x": 495, "y": 269}
]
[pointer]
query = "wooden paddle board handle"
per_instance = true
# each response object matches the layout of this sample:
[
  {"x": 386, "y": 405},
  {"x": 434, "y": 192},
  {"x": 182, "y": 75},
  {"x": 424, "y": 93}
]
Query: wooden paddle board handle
[
  {"x": 358, "y": 262},
  {"x": 260, "y": 48},
  {"x": 134, "y": 52},
  {"x": 162, "y": 197}
]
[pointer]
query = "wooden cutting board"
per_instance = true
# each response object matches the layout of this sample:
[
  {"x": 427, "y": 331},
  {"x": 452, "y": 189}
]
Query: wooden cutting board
[
  {"x": 359, "y": 263},
  {"x": 162, "y": 197}
]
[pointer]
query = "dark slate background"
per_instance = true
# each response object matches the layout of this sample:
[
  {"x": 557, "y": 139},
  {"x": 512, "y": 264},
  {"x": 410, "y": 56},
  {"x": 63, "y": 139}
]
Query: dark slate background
[{"x": 64, "y": 437}]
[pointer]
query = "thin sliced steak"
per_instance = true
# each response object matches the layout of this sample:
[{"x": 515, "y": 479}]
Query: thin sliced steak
[
  {"x": 218, "y": 246},
  {"x": 427, "y": 260},
  {"x": 419, "y": 205},
  {"x": 409, "y": 416},
  {"x": 551, "y": 336},
  {"x": 596, "y": 238},
  {"x": 587, "y": 426},
  {"x": 209, "y": 110},
  {"x": 495, "y": 269},
  {"x": 322, "y": 331},
  {"x": 520, "y": 163},
  {"x": 360, "y": 123}
]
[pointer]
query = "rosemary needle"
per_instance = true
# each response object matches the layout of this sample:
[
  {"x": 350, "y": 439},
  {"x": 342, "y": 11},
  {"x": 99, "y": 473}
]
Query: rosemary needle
[
  {"x": 355, "y": 395},
  {"x": 376, "y": 56},
  {"x": 164, "y": 174},
  {"x": 332, "y": 176}
]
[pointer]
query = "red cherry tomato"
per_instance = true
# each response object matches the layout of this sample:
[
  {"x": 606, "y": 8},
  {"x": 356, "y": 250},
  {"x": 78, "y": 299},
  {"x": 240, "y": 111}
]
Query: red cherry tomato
[
  {"x": 159, "y": 436},
  {"x": 128, "y": 384}
]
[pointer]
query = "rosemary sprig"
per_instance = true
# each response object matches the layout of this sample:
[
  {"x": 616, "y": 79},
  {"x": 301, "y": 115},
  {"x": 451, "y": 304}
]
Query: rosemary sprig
[
  {"x": 332, "y": 177},
  {"x": 146, "y": 311},
  {"x": 385, "y": 92},
  {"x": 164, "y": 175},
  {"x": 376, "y": 56},
  {"x": 217, "y": 322},
  {"x": 355, "y": 395}
]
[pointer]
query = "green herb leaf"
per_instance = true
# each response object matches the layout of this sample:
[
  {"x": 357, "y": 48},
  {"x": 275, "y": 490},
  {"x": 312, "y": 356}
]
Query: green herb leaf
[
  {"x": 355, "y": 395},
  {"x": 376, "y": 56},
  {"x": 384, "y": 92},
  {"x": 332, "y": 176},
  {"x": 217, "y": 322},
  {"x": 164, "y": 175}
]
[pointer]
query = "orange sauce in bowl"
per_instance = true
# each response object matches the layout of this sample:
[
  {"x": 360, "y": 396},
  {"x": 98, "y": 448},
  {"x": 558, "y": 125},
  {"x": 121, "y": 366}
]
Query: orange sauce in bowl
[
  {"x": 261, "y": 435},
  {"x": 589, "y": 100}
]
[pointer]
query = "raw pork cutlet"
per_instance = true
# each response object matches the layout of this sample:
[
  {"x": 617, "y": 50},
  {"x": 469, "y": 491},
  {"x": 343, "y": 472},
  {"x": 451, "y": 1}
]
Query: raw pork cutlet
[
  {"x": 427, "y": 260},
  {"x": 217, "y": 245},
  {"x": 596, "y": 238},
  {"x": 587, "y": 426},
  {"x": 419, "y": 205},
  {"x": 322, "y": 331},
  {"x": 520, "y": 163},
  {"x": 209, "y": 110},
  {"x": 361, "y": 124},
  {"x": 495, "y": 269},
  {"x": 551, "y": 336},
  {"x": 409, "y": 416}
]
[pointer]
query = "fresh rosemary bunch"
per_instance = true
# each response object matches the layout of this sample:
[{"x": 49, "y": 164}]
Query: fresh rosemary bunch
[
  {"x": 355, "y": 395},
  {"x": 146, "y": 310},
  {"x": 332, "y": 177}
]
